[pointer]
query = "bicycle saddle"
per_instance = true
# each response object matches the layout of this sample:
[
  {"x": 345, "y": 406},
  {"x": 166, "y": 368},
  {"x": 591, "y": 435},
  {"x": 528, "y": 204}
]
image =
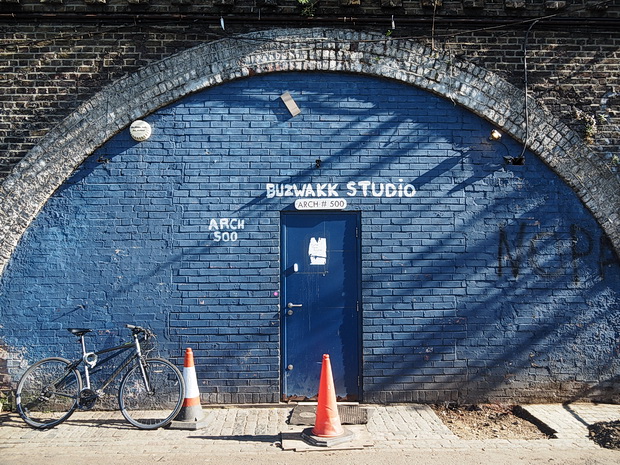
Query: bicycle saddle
[{"x": 78, "y": 331}]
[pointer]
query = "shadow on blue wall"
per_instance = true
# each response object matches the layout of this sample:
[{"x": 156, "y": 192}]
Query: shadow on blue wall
[{"x": 491, "y": 282}]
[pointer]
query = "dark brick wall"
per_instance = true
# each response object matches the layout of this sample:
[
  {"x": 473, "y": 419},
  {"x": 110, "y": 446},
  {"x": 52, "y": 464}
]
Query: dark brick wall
[
  {"x": 50, "y": 65},
  {"x": 357, "y": 9},
  {"x": 489, "y": 284}
]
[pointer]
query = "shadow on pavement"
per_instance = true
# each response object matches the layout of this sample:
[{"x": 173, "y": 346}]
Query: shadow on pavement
[{"x": 267, "y": 438}]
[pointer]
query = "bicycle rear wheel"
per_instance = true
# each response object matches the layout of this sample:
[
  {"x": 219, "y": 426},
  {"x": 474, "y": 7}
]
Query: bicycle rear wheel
[
  {"x": 47, "y": 393},
  {"x": 151, "y": 409}
]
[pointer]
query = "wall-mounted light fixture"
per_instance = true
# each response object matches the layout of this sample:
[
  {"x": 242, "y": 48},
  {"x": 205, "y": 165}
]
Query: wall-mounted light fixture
[
  {"x": 496, "y": 136},
  {"x": 290, "y": 104},
  {"x": 516, "y": 161}
]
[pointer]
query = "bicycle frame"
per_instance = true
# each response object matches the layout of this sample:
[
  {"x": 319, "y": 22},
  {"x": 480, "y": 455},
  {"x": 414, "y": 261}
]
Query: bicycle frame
[
  {"x": 91, "y": 360},
  {"x": 150, "y": 393}
]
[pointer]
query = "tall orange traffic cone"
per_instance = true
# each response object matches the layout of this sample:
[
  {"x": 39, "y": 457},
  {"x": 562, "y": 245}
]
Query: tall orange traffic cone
[
  {"x": 191, "y": 415},
  {"x": 328, "y": 430},
  {"x": 327, "y": 423}
]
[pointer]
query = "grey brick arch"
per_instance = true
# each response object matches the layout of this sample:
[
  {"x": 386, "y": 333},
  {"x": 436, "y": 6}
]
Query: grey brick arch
[{"x": 62, "y": 150}]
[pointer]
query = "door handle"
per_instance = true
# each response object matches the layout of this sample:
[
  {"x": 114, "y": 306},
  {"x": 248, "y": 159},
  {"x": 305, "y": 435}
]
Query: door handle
[{"x": 292, "y": 305}]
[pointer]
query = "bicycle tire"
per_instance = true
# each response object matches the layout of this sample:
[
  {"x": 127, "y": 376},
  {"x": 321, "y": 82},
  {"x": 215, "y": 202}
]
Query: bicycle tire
[
  {"x": 157, "y": 408},
  {"x": 48, "y": 392}
]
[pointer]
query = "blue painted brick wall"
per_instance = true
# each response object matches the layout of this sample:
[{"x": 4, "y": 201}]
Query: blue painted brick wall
[{"x": 492, "y": 282}]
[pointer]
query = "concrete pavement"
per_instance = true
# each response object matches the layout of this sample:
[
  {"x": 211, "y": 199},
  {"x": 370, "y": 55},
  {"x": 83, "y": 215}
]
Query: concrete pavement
[{"x": 252, "y": 432}]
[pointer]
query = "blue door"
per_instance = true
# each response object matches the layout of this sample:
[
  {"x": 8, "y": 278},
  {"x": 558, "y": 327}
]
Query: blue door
[{"x": 320, "y": 302}]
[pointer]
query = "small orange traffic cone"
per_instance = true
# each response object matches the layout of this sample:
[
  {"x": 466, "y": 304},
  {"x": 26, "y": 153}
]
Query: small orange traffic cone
[
  {"x": 191, "y": 415},
  {"x": 328, "y": 430}
]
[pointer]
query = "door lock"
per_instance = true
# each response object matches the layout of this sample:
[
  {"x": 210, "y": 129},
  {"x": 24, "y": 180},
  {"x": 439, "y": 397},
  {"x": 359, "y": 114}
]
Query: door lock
[
  {"x": 289, "y": 313},
  {"x": 292, "y": 305}
]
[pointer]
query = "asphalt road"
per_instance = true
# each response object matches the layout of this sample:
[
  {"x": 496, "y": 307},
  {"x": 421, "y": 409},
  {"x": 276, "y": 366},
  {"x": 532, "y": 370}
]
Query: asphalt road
[{"x": 112, "y": 456}]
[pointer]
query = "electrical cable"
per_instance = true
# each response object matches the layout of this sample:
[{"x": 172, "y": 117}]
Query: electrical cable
[
  {"x": 520, "y": 160},
  {"x": 216, "y": 18}
]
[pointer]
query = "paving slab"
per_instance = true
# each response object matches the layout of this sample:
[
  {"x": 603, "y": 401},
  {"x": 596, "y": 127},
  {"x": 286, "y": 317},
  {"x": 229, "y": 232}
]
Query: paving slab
[
  {"x": 292, "y": 440},
  {"x": 571, "y": 421}
]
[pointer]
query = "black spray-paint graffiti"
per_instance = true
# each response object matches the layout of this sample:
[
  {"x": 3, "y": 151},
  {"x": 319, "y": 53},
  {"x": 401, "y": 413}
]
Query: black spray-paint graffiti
[{"x": 551, "y": 254}]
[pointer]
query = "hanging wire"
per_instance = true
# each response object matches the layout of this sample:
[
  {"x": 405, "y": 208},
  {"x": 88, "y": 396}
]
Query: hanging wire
[
  {"x": 520, "y": 160},
  {"x": 433, "y": 25}
]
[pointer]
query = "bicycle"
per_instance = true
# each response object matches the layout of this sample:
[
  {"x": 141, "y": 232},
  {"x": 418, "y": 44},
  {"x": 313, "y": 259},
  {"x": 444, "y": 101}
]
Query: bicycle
[{"x": 150, "y": 394}]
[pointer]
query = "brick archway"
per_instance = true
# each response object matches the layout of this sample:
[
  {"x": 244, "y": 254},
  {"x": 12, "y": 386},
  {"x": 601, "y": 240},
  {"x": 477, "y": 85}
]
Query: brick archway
[{"x": 65, "y": 147}]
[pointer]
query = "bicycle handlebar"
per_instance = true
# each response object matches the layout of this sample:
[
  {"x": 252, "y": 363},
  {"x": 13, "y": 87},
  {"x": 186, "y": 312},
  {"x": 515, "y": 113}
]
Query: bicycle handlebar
[{"x": 139, "y": 329}]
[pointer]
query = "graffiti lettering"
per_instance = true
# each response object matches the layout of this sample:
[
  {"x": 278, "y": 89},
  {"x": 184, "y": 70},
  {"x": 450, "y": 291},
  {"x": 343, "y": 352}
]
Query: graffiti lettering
[
  {"x": 534, "y": 254},
  {"x": 548, "y": 252},
  {"x": 582, "y": 245},
  {"x": 607, "y": 255},
  {"x": 515, "y": 260}
]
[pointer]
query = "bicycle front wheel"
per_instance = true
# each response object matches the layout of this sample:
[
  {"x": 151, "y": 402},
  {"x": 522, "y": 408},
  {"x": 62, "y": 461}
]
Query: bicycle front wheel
[
  {"x": 156, "y": 405},
  {"x": 47, "y": 393}
]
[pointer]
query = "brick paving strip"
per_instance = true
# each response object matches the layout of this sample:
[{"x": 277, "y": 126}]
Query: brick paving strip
[{"x": 261, "y": 429}]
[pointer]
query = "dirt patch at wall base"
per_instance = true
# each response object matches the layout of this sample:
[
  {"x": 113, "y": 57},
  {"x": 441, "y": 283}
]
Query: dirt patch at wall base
[{"x": 488, "y": 422}]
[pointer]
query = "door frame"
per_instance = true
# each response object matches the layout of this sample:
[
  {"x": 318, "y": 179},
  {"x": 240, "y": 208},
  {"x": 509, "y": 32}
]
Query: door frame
[{"x": 283, "y": 348}]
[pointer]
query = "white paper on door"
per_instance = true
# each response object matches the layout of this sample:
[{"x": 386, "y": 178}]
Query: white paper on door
[{"x": 318, "y": 251}]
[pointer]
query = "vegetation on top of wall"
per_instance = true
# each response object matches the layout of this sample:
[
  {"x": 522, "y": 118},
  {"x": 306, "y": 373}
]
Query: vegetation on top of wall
[{"x": 308, "y": 7}]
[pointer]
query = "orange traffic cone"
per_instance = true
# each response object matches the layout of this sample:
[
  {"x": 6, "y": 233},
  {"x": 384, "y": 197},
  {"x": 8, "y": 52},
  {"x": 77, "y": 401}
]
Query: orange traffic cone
[
  {"x": 327, "y": 423},
  {"x": 191, "y": 415},
  {"x": 328, "y": 430}
]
